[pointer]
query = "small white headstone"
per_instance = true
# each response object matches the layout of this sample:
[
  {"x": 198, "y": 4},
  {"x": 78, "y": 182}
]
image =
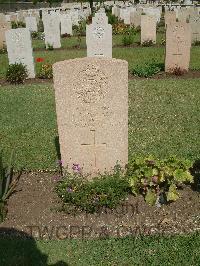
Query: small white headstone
[
  {"x": 31, "y": 24},
  {"x": 99, "y": 38},
  {"x": 52, "y": 30},
  {"x": 19, "y": 49}
]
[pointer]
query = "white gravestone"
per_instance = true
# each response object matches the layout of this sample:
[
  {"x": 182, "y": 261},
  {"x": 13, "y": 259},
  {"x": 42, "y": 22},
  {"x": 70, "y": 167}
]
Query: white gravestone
[
  {"x": 19, "y": 49},
  {"x": 52, "y": 30},
  {"x": 99, "y": 38},
  {"x": 66, "y": 24},
  {"x": 31, "y": 24}
]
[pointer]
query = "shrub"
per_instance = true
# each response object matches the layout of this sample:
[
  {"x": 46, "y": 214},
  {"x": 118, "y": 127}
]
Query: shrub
[
  {"x": 106, "y": 191},
  {"x": 16, "y": 73},
  {"x": 148, "y": 43},
  {"x": 7, "y": 184},
  {"x": 3, "y": 50},
  {"x": 158, "y": 180},
  {"x": 163, "y": 42},
  {"x": 177, "y": 71},
  {"x": 161, "y": 23},
  {"x": 50, "y": 47},
  {"x": 40, "y": 26},
  {"x": 120, "y": 28},
  {"x": 148, "y": 69},
  {"x": 79, "y": 31},
  {"x": 35, "y": 35},
  {"x": 65, "y": 35},
  {"x": 46, "y": 71},
  {"x": 112, "y": 19},
  {"x": 19, "y": 24},
  {"x": 128, "y": 37},
  {"x": 196, "y": 43}
]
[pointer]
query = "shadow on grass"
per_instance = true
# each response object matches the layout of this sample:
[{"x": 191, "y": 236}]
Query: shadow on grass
[
  {"x": 57, "y": 145},
  {"x": 196, "y": 173},
  {"x": 18, "y": 248}
]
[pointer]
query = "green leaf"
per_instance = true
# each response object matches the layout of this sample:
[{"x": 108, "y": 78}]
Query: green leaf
[
  {"x": 183, "y": 176},
  {"x": 151, "y": 197},
  {"x": 172, "y": 194}
]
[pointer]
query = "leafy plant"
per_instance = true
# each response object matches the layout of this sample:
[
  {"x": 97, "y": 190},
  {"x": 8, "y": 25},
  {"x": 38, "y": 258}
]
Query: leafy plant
[
  {"x": 196, "y": 43},
  {"x": 45, "y": 71},
  {"x": 7, "y": 184},
  {"x": 163, "y": 42},
  {"x": 3, "y": 50},
  {"x": 112, "y": 19},
  {"x": 78, "y": 193},
  {"x": 16, "y": 73},
  {"x": 35, "y": 35},
  {"x": 120, "y": 28},
  {"x": 177, "y": 71},
  {"x": 158, "y": 178},
  {"x": 18, "y": 24},
  {"x": 40, "y": 26},
  {"x": 148, "y": 43},
  {"x": 79, "y": 31},
  {"x": 128, "y": 37},
  {"x": 50, "y": 47},
  {"x": 148, "y": 69}
]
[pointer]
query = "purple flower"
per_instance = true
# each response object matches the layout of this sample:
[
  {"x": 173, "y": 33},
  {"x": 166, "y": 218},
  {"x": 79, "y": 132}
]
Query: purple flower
[
  {"x": 70, "y": 190},
  {"x": 76, "y": 167}
]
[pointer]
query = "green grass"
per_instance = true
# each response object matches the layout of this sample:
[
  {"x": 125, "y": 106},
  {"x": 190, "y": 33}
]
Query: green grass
[
  {"x": 177, "y": 250},
  {"x": 163, "y": 120},
  {"x": 134, "y": 56}
]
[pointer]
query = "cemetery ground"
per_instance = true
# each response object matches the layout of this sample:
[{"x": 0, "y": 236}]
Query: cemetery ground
[{"x": 163, "y": 121}]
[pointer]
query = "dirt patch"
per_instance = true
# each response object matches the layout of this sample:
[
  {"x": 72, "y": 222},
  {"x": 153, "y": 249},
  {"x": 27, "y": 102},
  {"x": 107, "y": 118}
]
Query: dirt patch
[{"x": 34, "y": 209}]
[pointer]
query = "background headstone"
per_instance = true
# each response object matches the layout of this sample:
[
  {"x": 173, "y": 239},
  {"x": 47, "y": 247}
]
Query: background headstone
[
  {"x": 148, "y": 29},
  {"x": 19, "y": 49},
  {"x": 99, "y": 37},
  {"x": 52, "y": 30},
  {"x": 31, "y": 24},
  {"x": 178, "y": 44}
]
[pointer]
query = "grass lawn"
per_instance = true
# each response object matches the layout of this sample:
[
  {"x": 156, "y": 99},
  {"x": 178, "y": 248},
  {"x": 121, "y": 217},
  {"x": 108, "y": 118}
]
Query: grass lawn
[
  {"x": 134, "y": 55},
  {"x": 163, "y": 120},
  {"x": 177, "y": 250}
]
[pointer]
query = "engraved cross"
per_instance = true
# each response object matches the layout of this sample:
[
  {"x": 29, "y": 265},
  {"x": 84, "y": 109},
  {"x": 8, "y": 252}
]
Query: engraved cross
[{"x": 94, "y": 145}]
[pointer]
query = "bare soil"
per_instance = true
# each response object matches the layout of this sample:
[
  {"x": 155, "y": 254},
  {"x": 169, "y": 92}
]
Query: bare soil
[{"x": 35, "y": 209}]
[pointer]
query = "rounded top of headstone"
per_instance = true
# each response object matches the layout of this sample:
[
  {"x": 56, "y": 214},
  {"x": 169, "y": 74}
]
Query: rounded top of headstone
[{"x": 103, "y": 60}]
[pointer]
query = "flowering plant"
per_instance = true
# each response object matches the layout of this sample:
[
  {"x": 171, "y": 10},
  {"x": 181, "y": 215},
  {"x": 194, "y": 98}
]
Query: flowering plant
[{"x": 156, "y": 178}]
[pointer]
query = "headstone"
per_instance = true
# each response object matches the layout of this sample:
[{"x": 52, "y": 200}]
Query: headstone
[
  {"x": 127, "y": 17},
  {"x": 136, "y": 19},
  {"x": 31, "y": 24},
  {"x": 178, "y": 44},
  {"x": 3, "y": 28},
  {"x": 170, "y": 17},
  {"x": 19, "y": 49},
  {"x": 2, "y": 18},
  {"x": 66, "y": 24},
  {"x": 99, "y": 38},
  {"x": 148, "y": 29},
  {"x": 195, "y": 28},
  {"x": 52, "y": 30},
  {"x": 183, "y": 15},
  {"x": 92, "y": 112}
]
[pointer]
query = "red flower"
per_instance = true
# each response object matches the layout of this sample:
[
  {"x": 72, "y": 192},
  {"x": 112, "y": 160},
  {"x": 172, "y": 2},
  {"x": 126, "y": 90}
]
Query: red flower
[{"x": 39, "y": 59}]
